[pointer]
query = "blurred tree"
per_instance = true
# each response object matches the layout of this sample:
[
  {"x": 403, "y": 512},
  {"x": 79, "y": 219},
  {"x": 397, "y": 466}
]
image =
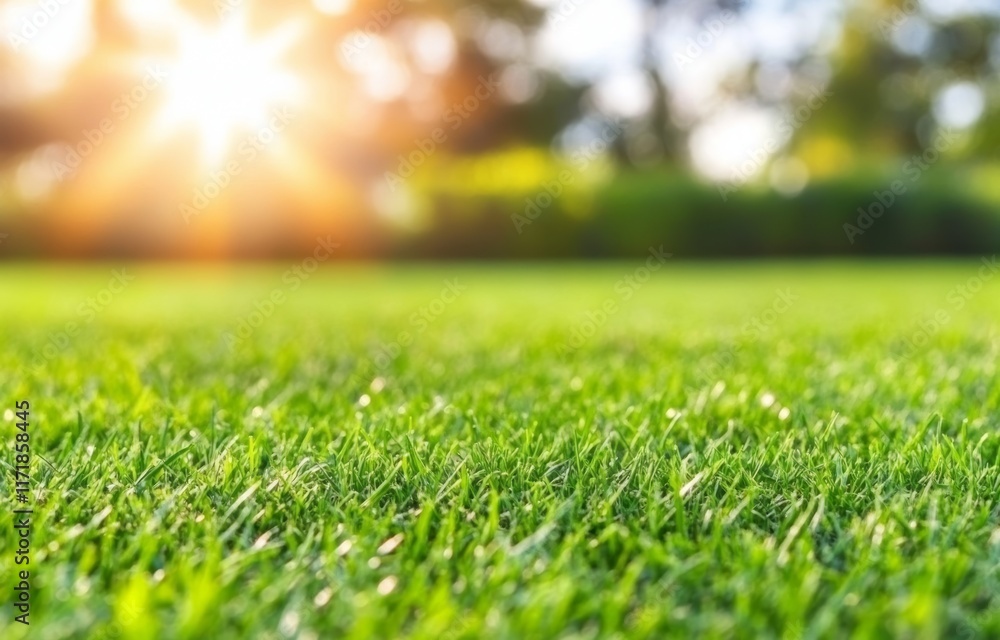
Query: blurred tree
[{"x": 891, "y": 73}]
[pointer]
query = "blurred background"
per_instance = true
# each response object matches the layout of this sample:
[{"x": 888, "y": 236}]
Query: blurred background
[{"x": 498, "y": 129}]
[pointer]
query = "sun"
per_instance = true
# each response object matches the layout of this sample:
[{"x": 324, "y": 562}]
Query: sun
[{"x": 226, "y": 81}]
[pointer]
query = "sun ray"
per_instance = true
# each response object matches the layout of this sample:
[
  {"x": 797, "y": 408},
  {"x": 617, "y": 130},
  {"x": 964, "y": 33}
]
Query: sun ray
[{"x": 226, "y": 81}]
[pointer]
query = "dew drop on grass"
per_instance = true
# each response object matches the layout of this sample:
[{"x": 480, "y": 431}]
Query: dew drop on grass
[
  {"x": 378, "y": 384},
  {"x": 323, "y": 597},
  {"x": 439, "y": 405},
  {"x": 390, "y": 545},
  {"x": 8, "y": 415},
  {"x": 81, "y": 586},
  {"x": 374, "y": 563},
  {"x": 767, "y": 400},
  {"x": 784, "y": 413},
  {"x": 387, "y": 586},
  {"x": 365, "y": 400},
  {"x": 257, "y": 412},
  {"x": 344, "y": 548},
  {"x": 261, "y": 541},
  {"x": 289, "y": 623},
  {"x": 493, "y": 618},
  {"x": 878, "y": 534},
  {"x": 576, "y": 384}
]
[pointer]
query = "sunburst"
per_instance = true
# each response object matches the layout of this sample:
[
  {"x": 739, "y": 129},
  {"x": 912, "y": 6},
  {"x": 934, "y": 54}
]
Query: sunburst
[{"x": 225, "y": 81}]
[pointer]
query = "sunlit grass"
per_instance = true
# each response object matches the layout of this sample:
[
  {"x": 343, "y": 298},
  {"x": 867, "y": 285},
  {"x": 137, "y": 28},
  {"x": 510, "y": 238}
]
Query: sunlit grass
[{"x": 705, "y": 463}]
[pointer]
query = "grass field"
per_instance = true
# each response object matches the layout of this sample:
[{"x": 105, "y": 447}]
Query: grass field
[{"x": 777, "y": 450}]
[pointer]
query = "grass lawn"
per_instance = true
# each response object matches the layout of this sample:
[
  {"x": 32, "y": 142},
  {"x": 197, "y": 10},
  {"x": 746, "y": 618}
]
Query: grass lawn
[{"x": 774, "y": 450}]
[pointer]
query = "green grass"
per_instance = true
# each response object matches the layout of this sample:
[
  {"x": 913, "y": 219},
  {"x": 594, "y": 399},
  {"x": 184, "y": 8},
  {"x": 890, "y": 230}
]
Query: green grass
[{"x": 681, "y": 472}]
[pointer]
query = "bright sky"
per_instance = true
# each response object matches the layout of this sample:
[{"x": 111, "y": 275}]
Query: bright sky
[
  {"x": 594, "y": 40},
  {"x": 598, "y": 40}
]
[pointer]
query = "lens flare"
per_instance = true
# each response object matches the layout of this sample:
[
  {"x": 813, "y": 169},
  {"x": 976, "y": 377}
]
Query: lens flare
[{"x": 227, "y": 81}]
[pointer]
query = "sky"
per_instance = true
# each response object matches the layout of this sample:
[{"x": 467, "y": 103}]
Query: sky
[
  {"x": 594, "y": 40},
  {"x": 698, "y": 49}
]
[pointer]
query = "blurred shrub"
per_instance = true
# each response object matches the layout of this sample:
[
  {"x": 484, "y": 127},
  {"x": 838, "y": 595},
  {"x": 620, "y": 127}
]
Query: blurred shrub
[{"x": 623, "y": 216}]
